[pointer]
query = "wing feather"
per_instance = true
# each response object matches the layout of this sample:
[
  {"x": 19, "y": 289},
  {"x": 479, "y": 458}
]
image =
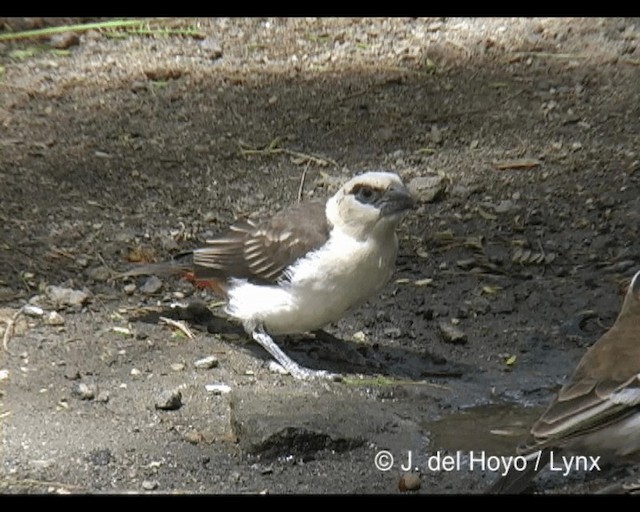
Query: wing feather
[{"x": 262, "y": 251}]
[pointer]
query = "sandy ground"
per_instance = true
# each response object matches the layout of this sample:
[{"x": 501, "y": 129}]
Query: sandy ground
[{"x": 128, "y": 145}]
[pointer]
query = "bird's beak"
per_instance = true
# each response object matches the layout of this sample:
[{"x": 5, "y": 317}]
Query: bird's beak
[{"x": 396, "y": 199}]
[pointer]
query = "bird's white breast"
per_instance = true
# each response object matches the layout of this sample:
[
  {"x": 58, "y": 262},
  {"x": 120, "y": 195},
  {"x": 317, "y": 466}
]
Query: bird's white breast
[{"x": 320, "y": 288}]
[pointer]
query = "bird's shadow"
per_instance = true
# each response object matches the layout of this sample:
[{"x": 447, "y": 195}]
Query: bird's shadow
[{"x": 319, "y": 350}]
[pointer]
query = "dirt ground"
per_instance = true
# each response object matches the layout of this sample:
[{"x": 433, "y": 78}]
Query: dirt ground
[{"x": 131, "y": 145}]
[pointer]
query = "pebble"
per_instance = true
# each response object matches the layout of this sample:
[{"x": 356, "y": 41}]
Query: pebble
[
  {"x": 359, "y": 337},
  {"x": 218, "y": 388},
  {"x": 169, "y": 400},
  {"x": 452, "y": 334},
  {"x": 71, "y": 373},
  {"x": 99, "y": 274},
  {"x": 192, "y": 436},
  {"x": 34, "y": 311},
  {"x": 409, "y": 482},
  {"x": 60, "y": 296},
  {"x": 55, "y": 318},
  {"x": 129, "y": 289},
  {"x": 83, "y": 391},
  {"x": 149, "y": 485},
  {"x": 138, "y": 86},
  {"x": 82, "y": 261},
  {"x": 151, "y": 285},
  {"x": 393, "y": 332},
  {"x": 64, "y": 40},
  {"x": 177, "y": 367},
  {"x": 427, "y": 189},
  {"x": 206, "y": 363},
  {"x": 103, "y": 397}
]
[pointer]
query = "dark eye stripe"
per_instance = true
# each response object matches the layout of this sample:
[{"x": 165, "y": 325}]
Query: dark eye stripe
[{"x": 365, "y": 194}]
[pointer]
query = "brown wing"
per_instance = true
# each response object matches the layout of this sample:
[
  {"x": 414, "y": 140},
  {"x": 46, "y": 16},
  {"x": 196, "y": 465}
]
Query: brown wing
[
  {"x": 574, "y": 415},
  {"x": 260, "y": 252},
  {"x": 605, "y": 386}
]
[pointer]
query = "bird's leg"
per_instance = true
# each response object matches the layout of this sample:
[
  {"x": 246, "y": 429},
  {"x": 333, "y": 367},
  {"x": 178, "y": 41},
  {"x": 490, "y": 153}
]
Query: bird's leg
[{"x": 293, "y": 368}]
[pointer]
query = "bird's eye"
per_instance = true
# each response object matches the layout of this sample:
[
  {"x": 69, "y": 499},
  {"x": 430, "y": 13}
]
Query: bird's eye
[{"x": 365, "y": 195}]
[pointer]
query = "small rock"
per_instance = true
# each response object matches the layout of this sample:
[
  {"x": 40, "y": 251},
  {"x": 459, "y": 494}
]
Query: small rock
[
  {"x": 359, "y": 337},
  {"x": 84, "y": 391},
  {"x": 42, "y": 463},
  {"x": 435, "y": 134},
  {"x": 193, "y": 437},
  {"x": 451, "y": 334},
  {"x": 464, "y": 191},
  {"x": 151, "y": 285},
  {"x": 99, "y": 274},
  {"x": 427, "y": 189},
  {"x": 34, "y": 311},
  {"x": 4, "y": 375},
  {"x": 393, "y": 332},
  {"x": 55, "y": 318},
  {"x": 103, "y": 397},
  {"x": 163, "y": 74},
  {"x": 177, "y": 367},
  {"x": 71, "y": 373},
  {"x": 82, "y": 261},
  {"x": 64, "y": 40},
  {"x": 61, "y": 297},
  {"x": 135, "y": 372},
  {"x": 129, "y": 289},
  {"x": 409, "y": 482},
  {"x": 138, "y": 86},
  {"x": 169, "y": 400},
  {"x": 505, "y": 206},
  {"x": 466, "y": 264},
  {"x": 218, "y": 388},
  {"x": 206, "y": 363},
  {"x": 149, "y": 485}
]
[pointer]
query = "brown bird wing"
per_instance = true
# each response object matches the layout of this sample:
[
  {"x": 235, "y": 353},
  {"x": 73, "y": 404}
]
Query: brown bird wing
[
  {"x": 262, "y": 251},
  {"x": 605, "y": 386}
]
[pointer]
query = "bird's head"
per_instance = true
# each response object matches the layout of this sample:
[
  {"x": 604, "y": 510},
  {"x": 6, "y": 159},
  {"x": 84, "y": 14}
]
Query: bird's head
[{"x": 369, "y": 204}]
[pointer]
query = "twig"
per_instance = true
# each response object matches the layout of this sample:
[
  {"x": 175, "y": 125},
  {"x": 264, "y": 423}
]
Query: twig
[
  {"x": 45, "y": 32},
  {"x": 633, "y": 62},
  {"x": 551, "y": 55},
  {"x": 9, "y": 330},
  {"x": 178, "y": 325},
  {"x": 301, "y": 187},
  {"x": 33, "y": 481},
  {"x": 274, "y": 149}
]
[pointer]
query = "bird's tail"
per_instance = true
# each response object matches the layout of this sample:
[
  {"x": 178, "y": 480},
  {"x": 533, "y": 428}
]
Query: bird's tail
[
  {"x": 181, "y": 264},
  {"x": 515, "y": 482}
]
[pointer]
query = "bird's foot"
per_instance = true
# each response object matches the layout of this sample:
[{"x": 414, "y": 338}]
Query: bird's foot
[{"x": 288, "y": 364}]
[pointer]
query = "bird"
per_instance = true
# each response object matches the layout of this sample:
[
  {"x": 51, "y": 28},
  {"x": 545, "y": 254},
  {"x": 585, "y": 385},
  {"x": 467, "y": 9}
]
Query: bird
[
  {"x": 596, "y": 414},
  {"x": 304, "y": 267}
]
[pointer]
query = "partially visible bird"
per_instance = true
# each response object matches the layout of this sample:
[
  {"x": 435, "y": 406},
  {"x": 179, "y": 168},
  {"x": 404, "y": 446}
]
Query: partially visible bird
[
  {"x": 597, "y": 412},
  {"x": 306, "y": 266}
]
